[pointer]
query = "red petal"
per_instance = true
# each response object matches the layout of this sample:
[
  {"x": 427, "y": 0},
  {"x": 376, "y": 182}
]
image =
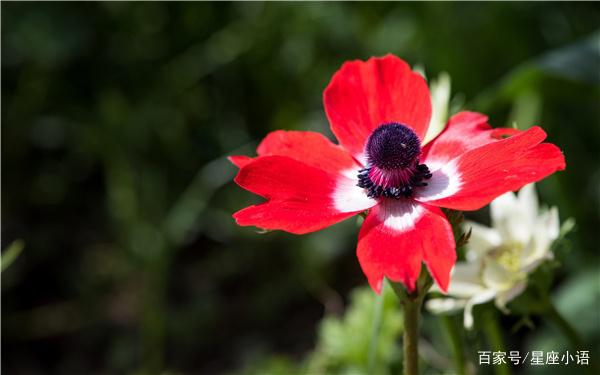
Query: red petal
[
  {"x": 308, "y": 147},
  {"x": 476, "y": 177},
  {"x": 300, "y": 197},
  {"x": 464, "y": 131},
  {"x": 501, "y": 133},
  {"x": 397, "y": 236},
  {"x": 439, "y": 247},
  {"x": 239, "y": 160},
  {"x": 363, "y": 95}
]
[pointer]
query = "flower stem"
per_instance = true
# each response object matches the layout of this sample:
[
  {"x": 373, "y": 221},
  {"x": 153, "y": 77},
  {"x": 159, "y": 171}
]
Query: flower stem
[
  {"x": 376, "y": 330},
  {"x": 412, "y": 302},
  {"x": 412, "y": 310}
]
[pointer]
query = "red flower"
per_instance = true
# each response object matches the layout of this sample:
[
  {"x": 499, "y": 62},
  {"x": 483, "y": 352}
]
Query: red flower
[{"x": 379, "y": 110}]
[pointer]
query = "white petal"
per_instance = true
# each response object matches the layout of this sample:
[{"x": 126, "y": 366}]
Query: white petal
[
  {"x": 502, "y": 207},
  {"x": 545, "y": 231},
  {"x": 444, "y": 182},
  {"x": 465, "y": 289},
  {"x": 443, "y": 305},
  {"x": 496, "y": 277},
  {"x": 468, "y": 317},
  {"x": 531, "y": 266},
  {"x": 467, "y": 272},
  {"x": 528, "y": 203},
  {"x": 481, "y": 241},
  {"x": 505, "y": 297},
  {"x": 509, "y": 218},
  {"x": 466, "y": 281},
  {"x": 552, "y": 222},
  {"x": 348, "y": 197},
  {"x": 479, "y": 299}
]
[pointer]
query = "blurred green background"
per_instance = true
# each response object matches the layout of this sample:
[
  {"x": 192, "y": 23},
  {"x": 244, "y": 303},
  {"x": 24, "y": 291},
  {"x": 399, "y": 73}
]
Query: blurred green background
[{"x": 116, "y": 122}]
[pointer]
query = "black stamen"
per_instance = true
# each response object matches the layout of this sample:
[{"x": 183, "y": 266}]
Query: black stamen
[{"x": 396, "y": 192}]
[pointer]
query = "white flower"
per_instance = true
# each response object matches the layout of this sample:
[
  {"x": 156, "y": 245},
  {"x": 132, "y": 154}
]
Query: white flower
[{"x": 498, "y": 259}]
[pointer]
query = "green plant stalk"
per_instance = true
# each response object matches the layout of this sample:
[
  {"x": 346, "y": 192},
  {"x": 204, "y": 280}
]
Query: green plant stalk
[
  {"x": 412, "y": 310},
  {"x": 412, "y": 303},
  {"x": 494, "y": 338},
  {"x": 376, "y": 330},
  {"x": 455, "y": 341}
]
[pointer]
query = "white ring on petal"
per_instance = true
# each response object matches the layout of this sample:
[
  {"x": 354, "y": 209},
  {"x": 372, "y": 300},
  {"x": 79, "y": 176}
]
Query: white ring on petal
[
  {"x": 362, "y": 158},
  {"x": 351, "y": 173},
  {"x": 400, "y": 215},
  {"x": 348, "y": 197},
  {"x": 444, "y": 182}
]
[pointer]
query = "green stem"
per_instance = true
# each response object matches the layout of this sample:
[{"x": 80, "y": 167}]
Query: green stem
[
  {"x": 454, "y": 337},
  {"x": 412, "y": 303},
  {"x": 412, "y": 309},
  {"x": 494, "y": 338},
  {"x": 376, "y": 330}
]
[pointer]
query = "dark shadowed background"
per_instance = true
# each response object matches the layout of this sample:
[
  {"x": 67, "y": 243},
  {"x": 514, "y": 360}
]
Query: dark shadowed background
[{"x": 116, "y": 122}]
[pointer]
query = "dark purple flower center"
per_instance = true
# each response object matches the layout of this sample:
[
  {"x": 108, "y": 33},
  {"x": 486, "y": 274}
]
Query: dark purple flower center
[
  {"x": 392, "y": 146},
  {"x": 393, "y": 168}
]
